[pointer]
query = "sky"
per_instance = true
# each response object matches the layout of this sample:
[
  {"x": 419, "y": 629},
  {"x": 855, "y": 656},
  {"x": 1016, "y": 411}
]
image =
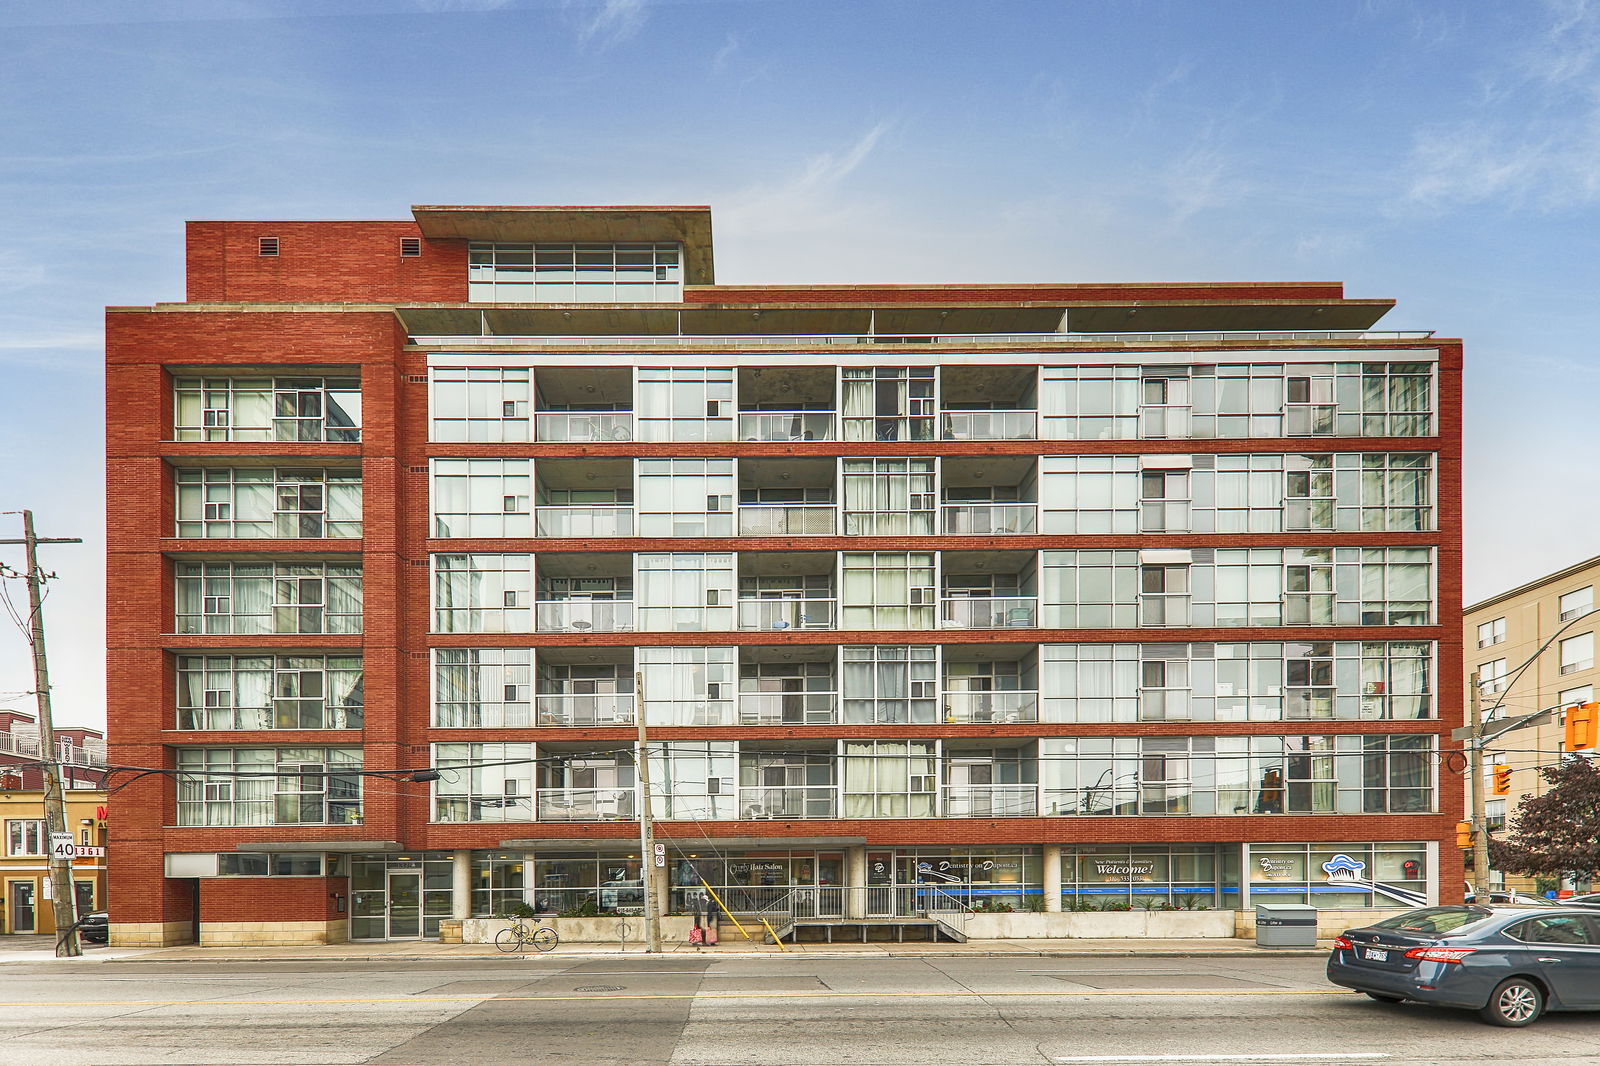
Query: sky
[{"x": 1444, "y": 154}]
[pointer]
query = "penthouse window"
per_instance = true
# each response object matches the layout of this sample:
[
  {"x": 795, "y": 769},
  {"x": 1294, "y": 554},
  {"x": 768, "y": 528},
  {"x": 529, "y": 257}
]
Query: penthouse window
[
  {"x": 269, "y": 597},
  {"x": 267, "y": 408},
  {"x": 259, "y": 502},
  {"x": 574, "y": 273}
]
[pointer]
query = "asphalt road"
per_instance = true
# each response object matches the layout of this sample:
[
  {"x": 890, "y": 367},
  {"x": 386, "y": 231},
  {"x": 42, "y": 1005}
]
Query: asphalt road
[{"x": 800, "y": 1010}]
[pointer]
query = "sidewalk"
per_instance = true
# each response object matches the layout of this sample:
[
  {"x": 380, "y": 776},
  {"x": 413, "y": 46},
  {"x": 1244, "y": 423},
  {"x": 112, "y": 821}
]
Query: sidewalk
[{"x": 732, "y": 946}]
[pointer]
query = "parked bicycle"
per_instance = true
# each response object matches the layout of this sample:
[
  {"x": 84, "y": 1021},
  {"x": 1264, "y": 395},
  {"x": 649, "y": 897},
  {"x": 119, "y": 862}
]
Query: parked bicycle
[{"x": 519, "y": 935}]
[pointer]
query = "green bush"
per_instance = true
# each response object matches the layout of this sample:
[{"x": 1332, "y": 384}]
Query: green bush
[{"x": 517, "y": 910}]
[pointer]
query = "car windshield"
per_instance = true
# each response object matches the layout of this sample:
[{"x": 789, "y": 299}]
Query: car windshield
[{"x": 1433, "y": 920}]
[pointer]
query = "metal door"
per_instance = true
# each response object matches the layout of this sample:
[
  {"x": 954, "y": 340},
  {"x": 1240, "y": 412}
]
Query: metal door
[
  {"x": 405, "y": 905},
  {"x": 22, "y": 919},
  {"x": 880, "y": 884}
]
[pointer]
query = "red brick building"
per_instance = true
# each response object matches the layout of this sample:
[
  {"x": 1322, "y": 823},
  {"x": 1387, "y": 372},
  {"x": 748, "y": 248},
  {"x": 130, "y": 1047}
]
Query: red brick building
[
  {"x": 80, "y": 750},
  {"x": 1042, "y": 596}
]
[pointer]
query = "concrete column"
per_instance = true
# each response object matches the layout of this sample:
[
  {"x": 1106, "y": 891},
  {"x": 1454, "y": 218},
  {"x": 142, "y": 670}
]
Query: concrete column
[
  {"x": 1052, "y": 878},
  {"x": 1431, "y": 859},
  {"x": 529, "y": 889},
  {"x": 461, "y": 884},
  {"x": 1244, "y": 878},
  {"x": 855, "y": 882}
]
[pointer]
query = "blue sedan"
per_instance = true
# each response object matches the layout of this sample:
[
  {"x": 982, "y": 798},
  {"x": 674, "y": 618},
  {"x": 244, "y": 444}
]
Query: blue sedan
[{"x": 1510, "y": 963}]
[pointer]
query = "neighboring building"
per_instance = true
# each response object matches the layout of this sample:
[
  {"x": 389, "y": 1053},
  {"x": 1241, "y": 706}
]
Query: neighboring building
[
  {"x": 26, "y": 905},
  {"x": 1502, "y": 633},
  {"x": 956, "y": 585},
  {"x": 80, "y": 750}
]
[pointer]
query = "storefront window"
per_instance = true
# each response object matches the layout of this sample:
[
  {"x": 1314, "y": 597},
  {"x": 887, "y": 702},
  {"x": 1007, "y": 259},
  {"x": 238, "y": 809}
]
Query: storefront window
[
  {"x": 1339, "y": 875},
  {"x": 1148, "y": 877}
]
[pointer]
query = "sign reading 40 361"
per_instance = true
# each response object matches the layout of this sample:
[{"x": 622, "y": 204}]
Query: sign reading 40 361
[{"x": 62, "y": 847}]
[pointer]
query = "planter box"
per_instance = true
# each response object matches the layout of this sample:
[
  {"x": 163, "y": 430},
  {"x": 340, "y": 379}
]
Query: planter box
[
  {"x": 613, "y": 929},
  {"x": 1101, "y": 925}
]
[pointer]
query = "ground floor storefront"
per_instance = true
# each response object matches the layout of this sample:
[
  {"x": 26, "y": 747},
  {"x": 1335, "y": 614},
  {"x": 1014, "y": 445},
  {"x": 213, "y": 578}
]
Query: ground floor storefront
[{"x": 293, "y": 897}]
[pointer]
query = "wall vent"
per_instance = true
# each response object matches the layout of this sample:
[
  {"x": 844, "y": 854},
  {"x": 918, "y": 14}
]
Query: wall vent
[
  {"x": 417, "y": 379},
  {"x": 417, "y": 469},
  {"x": 267, "y": 246},
  {"x": 410, "y": 247}
]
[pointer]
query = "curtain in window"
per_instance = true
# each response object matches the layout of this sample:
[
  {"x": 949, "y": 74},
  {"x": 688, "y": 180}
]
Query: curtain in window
[
  {"x": 252, "y": 599},
  {"x": 858, "y": 389},
  {"x": 344, "y": 600},
  {"x": 253, "y": 693}
]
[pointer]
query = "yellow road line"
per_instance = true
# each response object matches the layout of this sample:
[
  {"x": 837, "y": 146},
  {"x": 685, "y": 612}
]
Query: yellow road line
[{"x": 672, "y": 995}]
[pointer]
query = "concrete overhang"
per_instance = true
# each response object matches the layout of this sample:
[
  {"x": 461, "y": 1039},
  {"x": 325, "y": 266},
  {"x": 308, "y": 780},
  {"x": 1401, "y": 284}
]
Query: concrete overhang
[
  {"x": 689, "y": 226},
  {"x": 631, "y": 845},
  {"x": 341, "y": 847},
  {"x": 1204, "y": 317}
]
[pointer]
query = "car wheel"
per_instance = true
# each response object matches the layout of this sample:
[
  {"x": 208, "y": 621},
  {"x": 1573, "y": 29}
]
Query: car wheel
[
  {"x": 1515, "y": 1002},
  {"x": 1381, "y": 998}
]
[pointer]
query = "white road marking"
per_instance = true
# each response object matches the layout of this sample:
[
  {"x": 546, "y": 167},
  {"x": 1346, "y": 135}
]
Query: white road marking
[{"x": 1321, "y": 1056}]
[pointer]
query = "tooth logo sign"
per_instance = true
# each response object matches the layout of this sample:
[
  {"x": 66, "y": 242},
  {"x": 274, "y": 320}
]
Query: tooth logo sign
[{"x": 1343, "y": 868}]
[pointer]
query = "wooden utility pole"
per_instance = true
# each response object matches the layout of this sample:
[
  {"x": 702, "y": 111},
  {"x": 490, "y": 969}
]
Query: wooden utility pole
[
  {"x": 63, "y": 896},
  {"x": 647, "y": 835},
  {"x": 1480, "y": 823}
]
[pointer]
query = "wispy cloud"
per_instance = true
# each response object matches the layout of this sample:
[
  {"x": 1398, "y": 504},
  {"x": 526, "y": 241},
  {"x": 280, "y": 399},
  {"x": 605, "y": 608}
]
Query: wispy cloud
[
  {"x": 809, "y": 195},
  {"x": 602, "y": 24},
  {"x": 719, "y": 62}
]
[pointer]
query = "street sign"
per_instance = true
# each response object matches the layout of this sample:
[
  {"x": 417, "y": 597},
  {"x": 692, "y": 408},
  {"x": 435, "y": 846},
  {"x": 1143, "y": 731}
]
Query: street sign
[
  {"x": 84, "y": 851},
  {"x": 61, "y": 846},
  {"x": 661, "y": 854}
]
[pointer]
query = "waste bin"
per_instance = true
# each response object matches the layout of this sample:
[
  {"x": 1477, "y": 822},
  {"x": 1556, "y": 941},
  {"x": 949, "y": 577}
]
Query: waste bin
[{"x": 1286, "y": 925}]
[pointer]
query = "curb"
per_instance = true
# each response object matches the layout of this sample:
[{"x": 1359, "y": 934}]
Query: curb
[{"x": 1197, "y": 953}]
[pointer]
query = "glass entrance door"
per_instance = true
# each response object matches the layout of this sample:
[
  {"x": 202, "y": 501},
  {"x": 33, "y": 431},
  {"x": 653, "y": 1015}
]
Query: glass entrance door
[
  {"x": 22, "y": 920},
  {"x": 405, "y": 906}
]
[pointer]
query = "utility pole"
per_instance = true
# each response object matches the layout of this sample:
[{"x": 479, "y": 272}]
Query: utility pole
[
  {"x": 647, "y": 834},
  {"x": 1480, "y": 824},
  {"x": 63, "y": 896}
]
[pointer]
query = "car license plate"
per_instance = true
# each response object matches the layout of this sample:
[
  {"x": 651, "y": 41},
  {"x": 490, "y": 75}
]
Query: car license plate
[{"x": 1375, "y": 955}]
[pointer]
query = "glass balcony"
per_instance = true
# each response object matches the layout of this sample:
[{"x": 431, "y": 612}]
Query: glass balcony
[
  {"x": 788, "y": 520},
  {"x": 786, "y": 425},
  {"x": 786, "y": 614},
  {"x": 584, "y": 616},
  {"x": 991, "y": 708},
  {"x": 803, "y": 801},
  {"x": 982, "y": 612},
  {"x": 586, "y": 426},
  {"x": 585, "y": 804},
  {"x": 991, "y": 801},
  {"x": 991, "y": 425},
  {"x": 987, "y": 518},
  {"x": 604, "y": 521},
  {"x": 593, "y": 709},
  {"x": 788, "y": 708}
]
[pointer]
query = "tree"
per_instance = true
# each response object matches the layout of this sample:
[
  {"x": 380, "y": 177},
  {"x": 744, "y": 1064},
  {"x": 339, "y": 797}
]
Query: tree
[{"x": 1559, "y": 832}]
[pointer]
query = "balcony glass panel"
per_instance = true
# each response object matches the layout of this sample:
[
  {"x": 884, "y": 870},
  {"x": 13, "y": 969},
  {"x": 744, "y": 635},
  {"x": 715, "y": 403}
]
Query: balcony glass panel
[
  {"x": 787, "y": 520},
  {"x": 991, "y": 425},
  {"x": 977, "y": 612},
  {"x": 584, "y": 616},
  {"x": 803, "y": 801},
  {"x": 991, "y": 708},
  {"x": 592, "y": 710},
  {"x": 583, "y": 426},
  {"x": 787, "y": 708},
  {"x": 988, "y": 518},
  {"x": 991, "y": 801},
  {"x": 786, "y": 425},
  {"x": 585, "y": 804},
  {"x": 786, "y": 614},
  {"x": 584, "y": 521}
]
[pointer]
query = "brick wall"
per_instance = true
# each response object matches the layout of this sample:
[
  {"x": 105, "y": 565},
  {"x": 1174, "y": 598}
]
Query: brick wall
[{"x": 321, "y": 262}]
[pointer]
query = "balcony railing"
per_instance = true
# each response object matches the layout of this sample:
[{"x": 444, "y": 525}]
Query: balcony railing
[
  {"x": 788, "y": 708},
  {"x": 991, "y": 425},
  {"x": 802, "y": 801},
  {"x": 483, "y": 809},
  {"x": 19, "y": 744},
  {"x": 596, "y": 521},
  {"x": 786, "y": 614},
  {"x": 584, "y": 616},
  {"x": 991, "y": 801},
  {"x": 991, "y": 708},
  {"x": 974, "y": 612},
  {"x": 787, "y": 520},
  {"x": 786, "y": 425},
  {"x": 593, "y": 709},
  {"x": 585, "y": 804},
  {"x": 586, "y": 426},
  {"x": 988, "y": 518}
]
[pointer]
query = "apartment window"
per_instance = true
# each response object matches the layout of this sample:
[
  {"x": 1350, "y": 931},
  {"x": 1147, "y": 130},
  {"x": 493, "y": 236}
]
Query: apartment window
[
  {"x": 1084, "y": 776},
  {"x": 1239, "y": 400},
  {"x": 890, "y": 685},
  {"x": 1249, "y": 585},
  {"x": 483, "y": 593},
  {"x": 1396, "y": 400},
  {"x": 889, "y": 497},
  {"x": 482, "y": 497},
  {"x": 1572, "y": 604},
  {"x": 1165, "y": 774},
  {"x": 1577, "y": 653},
  {"x": 1396, "y": 774},
  {"x": 685, "y": 403},
  {"x": 1164, "y": 594},
  {"x": 1396, "y": 586},
  {"x": 1163, "y": 500},
  {"x": 689, "y": 686},
  {"x": 263, "y": 409},
  {"x": 1308, "y": 593},
  {"x": 1491, "y": 633},
  {"x": 243, "y": 598},
  {"x": 1091, "y": 589},
  {"x": 1492, "y": 676},
  {"x": 888, "y": 590},
  {"x": 1308, "y": 490},
  {"x": 1310, "y": 690},
  {"x": 685, "y": 592},
  {"x": 1093, "y": 493},
  {"x": 1396, "y": 679},
  {"x": 269, "y": 786},
  {"x": 25, "y": 836},
  {"x": 270, "y": 692},
  {"x": 477, "y": 688},
  {"x": 1164, "y": 403},
  {"x": 1309, "y": 409},
  {"x": 890, "y": 779},
  {"x": 1395, "y": 492},
  {"x": 1090, "y": 682},
  {"x": 263, "y": 502},
  {"x": 483, "y": 782},
  {"x": 797, "y": 784},
  {"x": 1096, "y": 402},
  {"x": 479, "y": 404},
  {"x": 694, "y": 779},
  {"x": 1494, "y": 814},
  {"x": 574, "y": 273},
  {"x": 1164, "y": 691},
  {"x": 685, "y": 497},
  {"x": 887, "y": 402}
]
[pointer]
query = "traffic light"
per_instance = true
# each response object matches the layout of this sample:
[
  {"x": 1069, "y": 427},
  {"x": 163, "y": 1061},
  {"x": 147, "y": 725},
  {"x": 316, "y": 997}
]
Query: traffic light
[
  {"x": 1463, "y": 834},
  {"x": 1502, "y": 780},
  {"x": 1583, "y": 721}
]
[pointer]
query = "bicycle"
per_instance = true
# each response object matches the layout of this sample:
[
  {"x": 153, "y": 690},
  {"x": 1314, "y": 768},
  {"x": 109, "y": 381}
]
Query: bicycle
[{"x": 519, "y": 936}]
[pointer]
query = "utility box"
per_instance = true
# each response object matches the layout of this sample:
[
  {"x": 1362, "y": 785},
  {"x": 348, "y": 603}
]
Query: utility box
[{"x": 1286, "y": 925}]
